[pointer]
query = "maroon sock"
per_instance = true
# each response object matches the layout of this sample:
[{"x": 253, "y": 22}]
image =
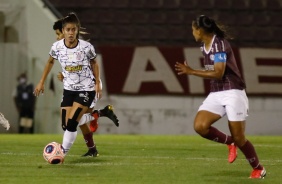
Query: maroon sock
[
  {"x": 218, "y": 136},
  {"x": 251, "y": 155},
  {"x": 89, "y": 140}
]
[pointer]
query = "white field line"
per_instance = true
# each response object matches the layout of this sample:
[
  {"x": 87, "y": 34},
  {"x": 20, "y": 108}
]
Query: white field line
[
  {"x": 189, "y": 144},
  {"x": 146, "y": 157}
]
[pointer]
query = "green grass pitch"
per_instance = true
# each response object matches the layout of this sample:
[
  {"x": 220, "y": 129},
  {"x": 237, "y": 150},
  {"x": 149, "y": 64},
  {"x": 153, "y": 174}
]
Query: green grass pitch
[{"x": 135, "y": 159}]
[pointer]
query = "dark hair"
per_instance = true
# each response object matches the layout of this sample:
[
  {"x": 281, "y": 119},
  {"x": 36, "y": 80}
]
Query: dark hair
[
  {"x": 73, "y": 19},
  {"x": 22, "y": 75},
  {"x": 210, "y": 26},
  {"x": 58, "y": 25}
]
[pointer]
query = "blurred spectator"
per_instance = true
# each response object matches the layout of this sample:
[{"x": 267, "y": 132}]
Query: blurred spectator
[{"x": 25, "y": 103}]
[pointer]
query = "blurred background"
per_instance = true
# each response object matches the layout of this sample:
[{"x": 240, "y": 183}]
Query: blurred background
[{"x": 138, "y": 42}]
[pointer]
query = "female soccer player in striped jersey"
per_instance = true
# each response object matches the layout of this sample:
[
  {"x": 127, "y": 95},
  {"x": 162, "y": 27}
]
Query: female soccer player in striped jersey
[{"x": 227, "y": 92}]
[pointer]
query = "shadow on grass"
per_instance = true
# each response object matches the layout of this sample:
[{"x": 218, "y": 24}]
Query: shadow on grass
[{"x": 88, "y": 160}]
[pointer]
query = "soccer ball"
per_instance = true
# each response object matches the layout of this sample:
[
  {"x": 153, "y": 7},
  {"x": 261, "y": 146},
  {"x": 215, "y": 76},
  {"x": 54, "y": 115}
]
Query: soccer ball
[{"x": 54, "y": 153}]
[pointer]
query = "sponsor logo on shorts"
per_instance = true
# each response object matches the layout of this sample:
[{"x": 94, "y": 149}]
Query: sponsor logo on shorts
[{"x": 85, "y": 96}]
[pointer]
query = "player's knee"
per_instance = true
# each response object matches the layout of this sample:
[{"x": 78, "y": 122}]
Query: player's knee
[
  {"x": 72, "y": 125},
  {"x": 200, "y": 128},
  {"x": 239, "y": 140}
]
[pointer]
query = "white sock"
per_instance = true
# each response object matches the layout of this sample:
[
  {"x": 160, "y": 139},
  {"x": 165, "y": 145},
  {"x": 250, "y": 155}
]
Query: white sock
[
  {"x": 85, "y": 119},
  {"x": 68, "y": 140}
]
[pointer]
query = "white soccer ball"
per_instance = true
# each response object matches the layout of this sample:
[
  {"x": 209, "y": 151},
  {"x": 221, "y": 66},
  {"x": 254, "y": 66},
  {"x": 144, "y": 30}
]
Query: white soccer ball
[{"x": 54, "y": 153}]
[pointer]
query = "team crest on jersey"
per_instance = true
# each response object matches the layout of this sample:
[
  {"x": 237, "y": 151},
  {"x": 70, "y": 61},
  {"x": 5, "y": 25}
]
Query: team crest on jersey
[
  {"x": 79, "y": 56},
  {"x": 212, "y": 57},
  {"x": 201, "y": 49}
]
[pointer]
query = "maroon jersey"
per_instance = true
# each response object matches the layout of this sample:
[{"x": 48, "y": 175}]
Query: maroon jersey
[{"x": 221, "y": 51}]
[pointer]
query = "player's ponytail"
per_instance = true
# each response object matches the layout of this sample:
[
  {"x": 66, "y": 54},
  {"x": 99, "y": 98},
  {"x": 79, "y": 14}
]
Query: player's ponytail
[{"x": 210, "y": 26}]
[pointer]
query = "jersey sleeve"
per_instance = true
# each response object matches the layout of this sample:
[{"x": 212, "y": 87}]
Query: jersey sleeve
[
  {"x": 53, "y": 52},
  {"x": 220, "y": 57},
  {"x": 92, "y": 54},
  {"x": 220, "y": 51}
]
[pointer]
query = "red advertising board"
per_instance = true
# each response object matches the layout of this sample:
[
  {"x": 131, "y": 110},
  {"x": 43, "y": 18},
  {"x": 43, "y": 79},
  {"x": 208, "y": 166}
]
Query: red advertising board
[{"x": 150, "y": 70}]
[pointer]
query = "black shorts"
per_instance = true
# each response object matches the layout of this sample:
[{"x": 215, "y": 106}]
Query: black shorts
[{"x": 84, "y": 98}]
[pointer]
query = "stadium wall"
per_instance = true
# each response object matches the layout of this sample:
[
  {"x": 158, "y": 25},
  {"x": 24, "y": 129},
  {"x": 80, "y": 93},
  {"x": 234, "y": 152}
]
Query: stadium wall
[
  {"x": 154, "y": 102},
  {"x": 151, "y": 99},
  {"x": 32, "y": 24}
]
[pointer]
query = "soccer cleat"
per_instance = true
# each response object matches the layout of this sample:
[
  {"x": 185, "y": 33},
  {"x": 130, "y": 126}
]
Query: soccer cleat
[
  {"x": 4, "y": 122},
  {"x": 92, "y": 152},
  {"x": 94, "y": 123},
  {"x": 258, "y": 173},
  {"x": 108, "y": 112},
  {"x": 232, "y": 153}
]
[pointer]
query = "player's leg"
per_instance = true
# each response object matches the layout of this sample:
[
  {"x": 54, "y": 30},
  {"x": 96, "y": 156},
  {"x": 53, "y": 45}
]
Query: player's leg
[
  {"x": 88, "y": 137},
  {"x": 81, "y": 101},
  {"x": 64, "y": 114},
  {"x": 203, "y": 126},
  {"x": 93, "y": 126},
  {"x": 105, "y": 112},
  {"x": 88, "y": 134},
  {"x": 108, "y": 112},
  {"x": 75, "y": 113},
  {"x": 209, "y": 112},
  {"x": 237, "y": 129}
]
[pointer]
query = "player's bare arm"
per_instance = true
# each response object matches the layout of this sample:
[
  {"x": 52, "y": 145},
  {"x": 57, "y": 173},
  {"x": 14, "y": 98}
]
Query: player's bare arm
[
  {"x": 96, "y": 73},
  {"x": 40, "y": 86},
  {"x": 217, "y": 73}
]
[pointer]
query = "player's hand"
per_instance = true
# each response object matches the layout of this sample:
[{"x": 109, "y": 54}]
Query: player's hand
[
  {"x": 60, "y": 76},
  {"x": 39, "y": 89},
  {"x": 98, "y": 90},
  {"x": 183, "y": 68}
]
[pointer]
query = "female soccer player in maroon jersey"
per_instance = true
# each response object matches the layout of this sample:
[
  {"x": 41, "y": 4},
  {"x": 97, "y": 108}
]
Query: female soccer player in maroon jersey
[{"x": 227, "y": 92}]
